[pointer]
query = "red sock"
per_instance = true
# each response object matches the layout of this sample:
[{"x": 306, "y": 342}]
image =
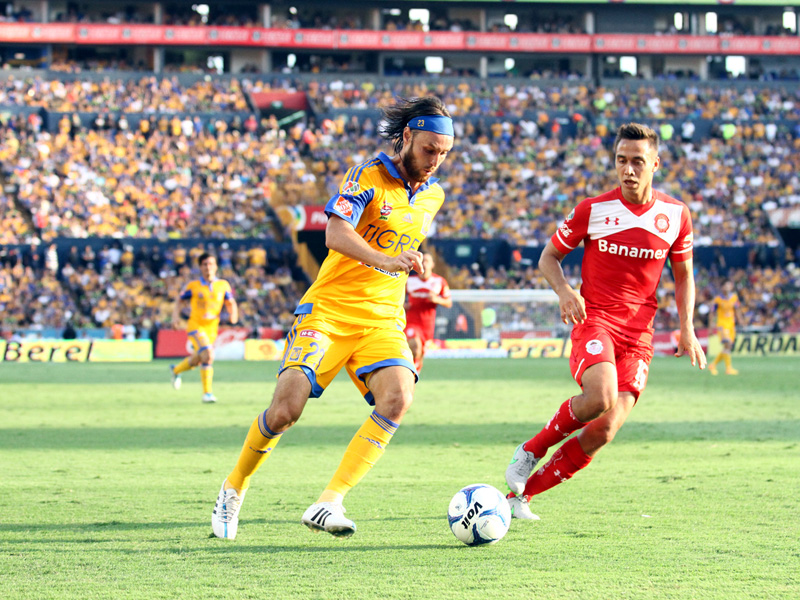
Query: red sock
[
  {"x": 560, "y": 426},
  {"x": 565, "y": 462}
]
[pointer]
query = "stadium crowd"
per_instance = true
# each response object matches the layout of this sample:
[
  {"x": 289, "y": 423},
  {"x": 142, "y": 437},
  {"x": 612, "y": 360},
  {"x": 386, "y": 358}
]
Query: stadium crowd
[
  {"x": 118, "y": 285},
  {"x": 190, "y": 175}
]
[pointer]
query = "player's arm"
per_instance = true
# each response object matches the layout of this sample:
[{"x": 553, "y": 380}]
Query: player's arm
[
  {"x": 443, "y": 298},
  {"x": 684, "y": 299},
  {"x": 341, "y": 237},
  {"x": 570, "y": 302},
  {"x": 178, "y": 307},
  {"x": 233, "y": 309}
]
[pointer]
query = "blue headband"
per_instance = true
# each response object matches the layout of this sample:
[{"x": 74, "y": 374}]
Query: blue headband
[{"x": 433, "y": 123}]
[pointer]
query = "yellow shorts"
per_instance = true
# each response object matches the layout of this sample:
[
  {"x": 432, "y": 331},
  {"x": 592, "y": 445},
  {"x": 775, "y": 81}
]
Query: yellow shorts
[
  {"x": 727, "y": 333},
  {"x": 202, "y": 338},
  {"x": 320, "y": 348}
]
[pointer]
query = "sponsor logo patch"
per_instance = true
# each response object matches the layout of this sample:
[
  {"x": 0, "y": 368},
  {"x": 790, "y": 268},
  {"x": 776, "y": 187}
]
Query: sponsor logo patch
[
  {"x": 351, "y": 188},
  {"x": 594, "y": 347},
  {"x": 344, "y": 206},
  {"x": 312, "y": 334}
]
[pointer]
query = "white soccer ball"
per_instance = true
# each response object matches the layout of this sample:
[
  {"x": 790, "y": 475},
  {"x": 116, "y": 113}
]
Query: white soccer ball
[{"x": 479, "y": 514}]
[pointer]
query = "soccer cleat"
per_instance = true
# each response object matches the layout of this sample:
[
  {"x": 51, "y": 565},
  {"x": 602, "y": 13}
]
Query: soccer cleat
[
  {"x": 520, "y": 509},
  {"x": 225, "y": 518},
  {"x": 713, "y": 370},
  {"x": 329, "y": 517},
  {"x": 519, "y": 469},
  {"x": 209, "y": 398},
  {"x": 731, "y": 371},
  {"x": 176, "y": 378}
]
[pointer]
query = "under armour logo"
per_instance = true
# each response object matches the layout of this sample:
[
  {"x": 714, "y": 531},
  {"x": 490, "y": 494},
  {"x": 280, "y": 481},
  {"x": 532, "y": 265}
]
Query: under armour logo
[{"x": 609, "y": 219}]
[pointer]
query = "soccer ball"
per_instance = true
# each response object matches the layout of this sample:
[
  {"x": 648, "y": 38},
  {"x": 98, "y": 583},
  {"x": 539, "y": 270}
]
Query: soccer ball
[{"x": 479, "y": 514}]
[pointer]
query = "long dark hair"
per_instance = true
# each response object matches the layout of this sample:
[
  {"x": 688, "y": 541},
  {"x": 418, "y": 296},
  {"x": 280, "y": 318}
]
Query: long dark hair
[{"x": 397, "y": 116}]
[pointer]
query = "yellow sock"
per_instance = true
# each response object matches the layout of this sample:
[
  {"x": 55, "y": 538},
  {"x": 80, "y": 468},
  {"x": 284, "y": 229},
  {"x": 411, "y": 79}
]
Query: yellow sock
[
  {"x": 727, "y": 358},
  {"x": 716, "y": 360},
  {"x": 257, "y": 447},
  {"x": 366, "y": 447},
  {"x": 182, "y": 367},
  {"x": 206, "y": 376}
]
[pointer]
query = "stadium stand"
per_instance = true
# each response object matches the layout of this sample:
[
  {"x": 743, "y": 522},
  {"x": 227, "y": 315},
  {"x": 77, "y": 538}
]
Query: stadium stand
[{"x": 130, "y": 159}]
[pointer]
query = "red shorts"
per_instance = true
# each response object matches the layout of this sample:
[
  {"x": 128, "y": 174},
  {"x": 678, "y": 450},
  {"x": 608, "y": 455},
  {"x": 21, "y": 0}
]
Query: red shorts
[
  {"x": 413, "y": 330},
  {"x": 592, "y": 344}
]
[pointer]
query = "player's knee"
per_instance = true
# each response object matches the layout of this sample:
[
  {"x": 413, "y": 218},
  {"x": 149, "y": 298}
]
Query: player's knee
[
  {"x": 592, "y": 439},
  {"x": 207, "y": 356},
  {"x": 598, "y": 402},
  {"x": 282, "y": 415},
  {"x": 394, "y": 404}
]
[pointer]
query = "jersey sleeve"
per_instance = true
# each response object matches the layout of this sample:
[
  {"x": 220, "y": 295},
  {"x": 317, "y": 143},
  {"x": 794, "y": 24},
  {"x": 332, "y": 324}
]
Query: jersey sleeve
[
  {"x": 681, "y": 249},
  {"x": 228, "y": 291},
  {"x": 355, "y": 192},
  {"x": 445, "y": 293},
  {"x": 574, "y": 228},
  {"x": 186, "y": 292}
]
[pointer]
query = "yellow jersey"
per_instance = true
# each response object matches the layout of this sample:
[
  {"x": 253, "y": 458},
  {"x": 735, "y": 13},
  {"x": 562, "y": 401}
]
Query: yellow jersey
[
  {"x": 207, "y": 300},
  {"x": 726, "y": 309},
  {"x": 377, "y": 201}
]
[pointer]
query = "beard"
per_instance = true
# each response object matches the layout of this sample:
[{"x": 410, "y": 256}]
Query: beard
[{"x": 414, "y": 171}]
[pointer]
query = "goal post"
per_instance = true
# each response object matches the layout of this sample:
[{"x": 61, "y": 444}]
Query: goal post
[{"x": 495, "y": 315}]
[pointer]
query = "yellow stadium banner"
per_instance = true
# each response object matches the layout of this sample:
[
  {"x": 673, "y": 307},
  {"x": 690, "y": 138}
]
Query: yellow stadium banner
[
  {"x": 763, "y": 344},
  {"x": 263, "y": 349},
  {"x": 121, "y": 351},
  {"x": 46, "y": 351}
]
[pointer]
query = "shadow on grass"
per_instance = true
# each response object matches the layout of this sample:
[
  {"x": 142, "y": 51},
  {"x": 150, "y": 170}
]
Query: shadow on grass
[{"x": 110, "y": 438}]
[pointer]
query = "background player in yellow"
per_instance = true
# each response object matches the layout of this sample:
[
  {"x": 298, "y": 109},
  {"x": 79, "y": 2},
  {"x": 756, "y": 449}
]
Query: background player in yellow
[
  {"x": 352, "y": 316},
  {"x": 206, "y": 297},
  {"x": 724, "y": 312}
]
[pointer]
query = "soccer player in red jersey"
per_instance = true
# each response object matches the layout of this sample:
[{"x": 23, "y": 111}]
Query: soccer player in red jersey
[
  {"x": 628, "y": 234},
  {"x": 424, "y": 292}
]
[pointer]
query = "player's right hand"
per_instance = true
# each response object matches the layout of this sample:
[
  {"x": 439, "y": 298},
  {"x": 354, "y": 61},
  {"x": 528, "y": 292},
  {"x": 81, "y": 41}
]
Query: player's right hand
[
  {"x": 572, "y": 307},
  {"x": 406, "y": 261}
]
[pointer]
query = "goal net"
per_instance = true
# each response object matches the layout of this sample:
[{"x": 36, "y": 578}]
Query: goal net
[{"x": 500, "y": 323}]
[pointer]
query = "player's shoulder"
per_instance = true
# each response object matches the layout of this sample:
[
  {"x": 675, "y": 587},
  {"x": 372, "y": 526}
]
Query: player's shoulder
[
  {"x": 667, "y": 199},
  {"x": 586, "y": 203},
  {"x": 360, "y": 177}
]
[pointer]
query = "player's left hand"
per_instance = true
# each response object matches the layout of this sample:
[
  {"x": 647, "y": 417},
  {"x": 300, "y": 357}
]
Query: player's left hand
[{"x": 689, "y": 344}]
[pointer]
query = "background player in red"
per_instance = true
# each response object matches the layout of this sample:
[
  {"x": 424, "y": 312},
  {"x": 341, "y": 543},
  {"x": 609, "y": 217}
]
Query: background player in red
[
  {"x": 628, "y": 233},
  {"x": 424, "y": 292}
]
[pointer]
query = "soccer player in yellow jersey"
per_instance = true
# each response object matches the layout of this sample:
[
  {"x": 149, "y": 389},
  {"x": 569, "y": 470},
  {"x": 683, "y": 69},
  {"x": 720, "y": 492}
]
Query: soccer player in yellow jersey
[
  {"x": 352, "y": 316},
  {"x": 206, "y": 297},
  {"x": 725, "y": 309}
]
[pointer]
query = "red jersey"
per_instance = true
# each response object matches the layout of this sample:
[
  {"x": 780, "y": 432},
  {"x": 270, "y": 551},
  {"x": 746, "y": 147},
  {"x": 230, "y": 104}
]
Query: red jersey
[
  {"x": 421, "y": 313},
  {"x": 625, "y": 248}
]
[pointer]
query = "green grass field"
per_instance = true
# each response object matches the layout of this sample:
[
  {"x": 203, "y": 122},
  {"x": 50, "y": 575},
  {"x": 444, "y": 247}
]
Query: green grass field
[{"x": 109, "y": 477}]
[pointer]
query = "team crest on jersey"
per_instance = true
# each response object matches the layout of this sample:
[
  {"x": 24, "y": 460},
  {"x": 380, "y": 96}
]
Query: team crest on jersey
[
  {"x": 312, "y": 334},
  {"x": 351, "y": 188},
  {"x": 571, "y": 215},
  {"x": 386, "y": 210},
  {"x": 426, "y": 223},
  {"x": 344, "y": 206},
  {"x": 594, "y": 347},
  {"x": 662, "y": 222}
]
